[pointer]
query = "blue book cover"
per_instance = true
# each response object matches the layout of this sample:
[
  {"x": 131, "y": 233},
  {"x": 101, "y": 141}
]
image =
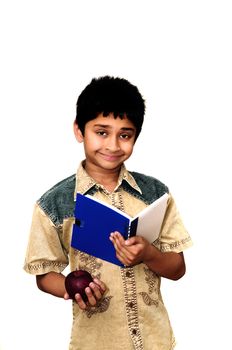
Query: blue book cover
[{"x": 95, "y": 220}]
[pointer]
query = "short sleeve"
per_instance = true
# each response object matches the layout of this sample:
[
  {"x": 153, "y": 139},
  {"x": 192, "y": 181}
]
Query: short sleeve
[
  {"x": 45, "y": 252},
  {"x": 174, "y": 236}
]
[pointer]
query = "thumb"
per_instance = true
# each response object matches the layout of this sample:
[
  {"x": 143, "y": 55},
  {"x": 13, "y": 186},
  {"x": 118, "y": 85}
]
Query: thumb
[{"x": 130, "y": 241}]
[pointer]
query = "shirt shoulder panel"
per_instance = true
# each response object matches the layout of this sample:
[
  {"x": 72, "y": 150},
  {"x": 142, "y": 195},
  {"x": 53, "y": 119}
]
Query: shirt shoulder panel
[
  {"x": 58, "y": 202},
  {"x": 151, "y": 187}
]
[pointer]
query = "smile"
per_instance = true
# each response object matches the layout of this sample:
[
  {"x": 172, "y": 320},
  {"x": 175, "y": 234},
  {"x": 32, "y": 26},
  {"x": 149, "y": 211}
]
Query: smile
[{"x": 110, "y": 157}]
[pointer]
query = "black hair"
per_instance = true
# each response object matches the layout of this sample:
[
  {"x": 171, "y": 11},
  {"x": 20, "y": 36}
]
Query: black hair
[{"x": 110, "y": 95}]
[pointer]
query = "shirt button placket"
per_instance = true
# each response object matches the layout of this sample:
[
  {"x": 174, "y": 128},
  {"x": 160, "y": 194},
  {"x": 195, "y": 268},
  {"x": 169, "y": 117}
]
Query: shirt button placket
[{"x": 131, "y": 307}]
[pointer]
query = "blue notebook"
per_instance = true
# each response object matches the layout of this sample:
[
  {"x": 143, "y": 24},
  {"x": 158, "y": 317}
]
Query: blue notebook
[{"x": 95, "y": 220}]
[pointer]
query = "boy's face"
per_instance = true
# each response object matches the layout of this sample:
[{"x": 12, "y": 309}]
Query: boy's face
[{"x": 108, "y": 141}]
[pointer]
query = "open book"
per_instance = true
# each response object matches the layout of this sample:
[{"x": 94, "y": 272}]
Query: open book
[{"x": 95, "y": 220}]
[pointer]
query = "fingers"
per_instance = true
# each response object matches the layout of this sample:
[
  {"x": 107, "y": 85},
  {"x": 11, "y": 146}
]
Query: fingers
[
  {"x": 122, "y": 251},
  {"x": 66, "y": 296},
  {"x": 94, "y": 293},
  {"x": 100, "y": 285},
  {"x": 120, "y": 243},
  {"x": 129, "y": 251},
  {"x": 82, "y": 305},
  {"x": 117, "y": 240}
]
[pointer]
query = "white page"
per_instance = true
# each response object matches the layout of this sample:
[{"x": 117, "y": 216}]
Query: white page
[{"x": 151, "y": 218}]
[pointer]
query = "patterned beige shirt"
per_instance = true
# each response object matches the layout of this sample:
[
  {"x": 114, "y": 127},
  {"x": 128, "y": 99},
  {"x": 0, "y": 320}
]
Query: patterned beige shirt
[{"x": 131, "y": 314}]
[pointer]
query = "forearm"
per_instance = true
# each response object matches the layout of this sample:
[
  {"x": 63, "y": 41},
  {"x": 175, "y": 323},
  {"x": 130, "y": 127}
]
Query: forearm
[
  {"x": 52, "y": 283},
  {"x": 170, "y": 265},
  {"x": 137, "y": 249}
]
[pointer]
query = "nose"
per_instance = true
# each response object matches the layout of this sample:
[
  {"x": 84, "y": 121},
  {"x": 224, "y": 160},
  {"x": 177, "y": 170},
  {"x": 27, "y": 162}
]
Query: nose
[{"x": 112, "y": 144}]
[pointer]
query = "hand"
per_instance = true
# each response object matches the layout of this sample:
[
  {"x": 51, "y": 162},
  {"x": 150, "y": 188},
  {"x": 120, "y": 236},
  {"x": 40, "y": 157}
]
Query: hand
[
  {"x": 94, "y": 293},
  {"x": 131, "y": 251}
]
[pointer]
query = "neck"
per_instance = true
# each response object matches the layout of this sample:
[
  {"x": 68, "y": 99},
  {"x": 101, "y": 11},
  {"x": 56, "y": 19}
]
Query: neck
[{"x": 106, "y": 177}]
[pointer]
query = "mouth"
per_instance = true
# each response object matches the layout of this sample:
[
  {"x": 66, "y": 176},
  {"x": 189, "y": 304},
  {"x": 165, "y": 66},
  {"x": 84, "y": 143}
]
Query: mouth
[{"x": 111, "y": 157}]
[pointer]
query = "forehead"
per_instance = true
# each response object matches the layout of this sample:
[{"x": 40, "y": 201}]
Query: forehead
[{"x": 111, "y": 121}]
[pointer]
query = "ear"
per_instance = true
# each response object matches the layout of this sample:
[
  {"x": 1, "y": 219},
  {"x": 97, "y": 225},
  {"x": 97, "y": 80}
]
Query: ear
[{"x": 77, "y": 132}]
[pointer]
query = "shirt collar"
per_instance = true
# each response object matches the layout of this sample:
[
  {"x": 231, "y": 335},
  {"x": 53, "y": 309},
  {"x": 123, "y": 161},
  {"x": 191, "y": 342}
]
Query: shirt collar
[
  {"x": 126, "y": 175},
  {"x": 84, "y": 182}
]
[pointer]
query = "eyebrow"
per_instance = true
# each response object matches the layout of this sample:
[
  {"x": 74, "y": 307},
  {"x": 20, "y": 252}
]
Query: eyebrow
[{"x": 106, "y": 126}]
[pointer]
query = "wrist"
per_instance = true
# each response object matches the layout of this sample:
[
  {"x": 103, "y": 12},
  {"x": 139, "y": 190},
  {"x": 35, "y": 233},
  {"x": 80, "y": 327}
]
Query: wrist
[{"x": 150, "y": 254}]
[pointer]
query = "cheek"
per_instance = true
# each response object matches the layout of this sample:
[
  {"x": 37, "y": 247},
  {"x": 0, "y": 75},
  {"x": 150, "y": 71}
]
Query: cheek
[
  {"x": 92, "y": 143},
  {"x": 128, "y": 148}
]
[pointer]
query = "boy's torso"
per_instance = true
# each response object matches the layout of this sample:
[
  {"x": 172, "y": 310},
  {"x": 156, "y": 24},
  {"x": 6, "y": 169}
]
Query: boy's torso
[
  {"x": 133, "y": 295},
  {"x": 132, "y": 314}
]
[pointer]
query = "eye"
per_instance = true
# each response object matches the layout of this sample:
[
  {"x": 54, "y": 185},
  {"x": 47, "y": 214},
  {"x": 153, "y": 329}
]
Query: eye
[
  {"x": 125, "y": 136},
  {"x": 101, "y": 133}
]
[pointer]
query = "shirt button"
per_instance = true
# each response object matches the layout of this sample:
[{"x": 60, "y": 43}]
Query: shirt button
[
  {"x": 128, "y": 274},
  {"x": 134, "y": 331},
  {"x": 131, "y": 304}
]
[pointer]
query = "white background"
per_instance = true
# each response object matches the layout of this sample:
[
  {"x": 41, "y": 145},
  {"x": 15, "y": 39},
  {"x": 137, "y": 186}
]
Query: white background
[{"x": 179, "y": 55}]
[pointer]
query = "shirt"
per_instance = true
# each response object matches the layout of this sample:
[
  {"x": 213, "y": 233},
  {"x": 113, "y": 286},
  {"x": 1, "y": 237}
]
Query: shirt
[{"x": 131, "y": 314}]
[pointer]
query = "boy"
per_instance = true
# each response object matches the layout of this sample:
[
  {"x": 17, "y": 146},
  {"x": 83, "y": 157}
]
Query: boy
[{"x": 125, "y": 308}]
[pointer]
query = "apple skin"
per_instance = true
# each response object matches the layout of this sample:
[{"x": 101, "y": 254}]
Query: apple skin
[{"x": 76, "y": 282}]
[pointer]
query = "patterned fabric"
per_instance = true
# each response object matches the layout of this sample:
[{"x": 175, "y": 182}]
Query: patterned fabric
[{"x": 131, "y": 314}]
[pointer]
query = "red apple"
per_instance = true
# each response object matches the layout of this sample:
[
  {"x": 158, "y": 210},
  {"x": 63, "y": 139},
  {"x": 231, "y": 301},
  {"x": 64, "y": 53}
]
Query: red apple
[{"x": 76, "y": 282}]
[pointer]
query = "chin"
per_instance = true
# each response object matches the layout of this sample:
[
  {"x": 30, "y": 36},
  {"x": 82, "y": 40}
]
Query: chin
[{"x": 111, "y": 165}]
